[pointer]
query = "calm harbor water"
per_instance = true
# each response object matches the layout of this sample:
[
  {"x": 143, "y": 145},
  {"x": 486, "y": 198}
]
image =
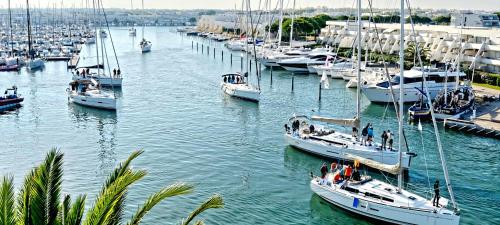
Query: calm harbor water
[{"x": 172, "y": 107}]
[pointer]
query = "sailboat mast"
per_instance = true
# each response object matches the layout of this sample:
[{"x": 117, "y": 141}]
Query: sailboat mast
[
  {"x": 291, "y": 25},
  {"x": 401, "y": 91},
  {"x": 97, "y": 42},
  {"x": 30, "y": 54},
  {"x": 143, "y": 20},
  {"x": 280, "y": 28},
  {"x": 10, "y": 25},
  {"x": 358, "y": 69}
]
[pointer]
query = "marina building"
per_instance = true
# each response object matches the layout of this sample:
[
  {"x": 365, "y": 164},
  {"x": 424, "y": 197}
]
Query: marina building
[
  {"x": 470, "y": 19},
  {"x": 478, "y": 47}
]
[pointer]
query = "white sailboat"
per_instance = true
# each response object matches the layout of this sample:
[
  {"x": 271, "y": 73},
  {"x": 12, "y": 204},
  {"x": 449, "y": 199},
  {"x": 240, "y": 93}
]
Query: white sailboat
[
  {"x": 132, "y": 31},
  {"x": 144, "y": 44},
  {"x": 33, "y": 62},
  {"x": 237, "y": 84},
  {"x": 88, "y": 93},
  {"x": 317, "y": 139},
  {"x": 382, "y": 201}
]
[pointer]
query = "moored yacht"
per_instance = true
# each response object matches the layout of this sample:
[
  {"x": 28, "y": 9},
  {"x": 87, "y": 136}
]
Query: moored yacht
[
  {"x": 301, "y": 64},
  {"x": 413, "y": 79},
  {"x": 449, "y": 104}
]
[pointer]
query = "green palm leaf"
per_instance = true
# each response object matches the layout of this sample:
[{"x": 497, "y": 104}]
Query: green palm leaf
[
  {"x": 7, "y": 214},
  {"x": 75, "y": 213},
  {"x": 102, "y": 213},
  {"x": 24, "y": 202},
  {"x": 46, "y": 188},
  {"x": 119, "y": 171},
  {"x": 64, "y": 209},
  {"x": 213, "y": 202},
  {"x": 170, "y": 191}
]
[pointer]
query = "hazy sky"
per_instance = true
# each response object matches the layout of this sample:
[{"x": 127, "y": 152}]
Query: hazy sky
[{"x": 490, "y": 5}]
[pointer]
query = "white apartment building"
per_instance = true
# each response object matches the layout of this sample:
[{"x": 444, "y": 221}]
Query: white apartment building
[{"x": 477, "y": 47}]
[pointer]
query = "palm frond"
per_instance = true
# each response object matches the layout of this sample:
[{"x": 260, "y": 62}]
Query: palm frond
[
  {"x": 7, "y": 213},
  {"x": 121, "y": 168},
  {"x": 116, "y": 217},
  {"x": 24, "y": 201},
  {"x": 170, "y": 191},
  {"x": 103, "y": 209},
  {"x": 75, "y": 213},
  {"x": 199, "y": 222},
  {"x": 46, "y": 189},
  {"x": 213, "y": 202},
  {"x": 64, "y": 209}
]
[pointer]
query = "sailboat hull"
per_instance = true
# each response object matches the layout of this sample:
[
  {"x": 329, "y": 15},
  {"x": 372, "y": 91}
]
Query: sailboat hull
[
  {"x": 338, "y": 150},
  {"x": 35, "y": 64},
  {"x": 241, "y": 91},
  {"x": 383, "y": 212},
  {"x": 94, "y": 102}
]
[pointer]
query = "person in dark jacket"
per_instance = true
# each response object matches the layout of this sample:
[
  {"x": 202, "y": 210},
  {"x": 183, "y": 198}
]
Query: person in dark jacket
[
  {"x": 435, "y": 200},
  {"x": 384, "y": 140},
  {"x": 364, "y": 135}
]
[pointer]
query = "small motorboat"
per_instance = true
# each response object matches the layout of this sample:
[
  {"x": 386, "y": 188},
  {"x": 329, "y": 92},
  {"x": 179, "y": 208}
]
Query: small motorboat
[
  {"x": 6, "y": 68},
  {"x": 10, "y": 99}
]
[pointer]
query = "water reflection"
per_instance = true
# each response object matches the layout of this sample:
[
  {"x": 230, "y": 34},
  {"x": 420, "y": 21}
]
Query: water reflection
[
  {"x": 106, "y": 125},
  {"x": 322, "y": 212}
]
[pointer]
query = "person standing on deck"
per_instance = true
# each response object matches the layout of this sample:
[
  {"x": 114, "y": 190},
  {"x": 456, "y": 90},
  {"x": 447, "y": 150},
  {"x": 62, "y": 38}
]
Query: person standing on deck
[
  {"x": 370, "y": 135},
  {"x": 389, "y": 137},
  {"x": 384, "y": 140},
  {"x": 435, "y": 200},
  {"x": 364, "y": 135}
]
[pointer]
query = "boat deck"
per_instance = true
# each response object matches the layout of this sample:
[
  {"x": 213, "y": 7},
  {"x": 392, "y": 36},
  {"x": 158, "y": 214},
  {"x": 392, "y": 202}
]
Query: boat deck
[{"x": 73, "y": 61}]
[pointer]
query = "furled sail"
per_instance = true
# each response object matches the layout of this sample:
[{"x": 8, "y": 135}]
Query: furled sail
[
  {"x": 392, "y": 169},
  {"x": 343, "y": 122}
]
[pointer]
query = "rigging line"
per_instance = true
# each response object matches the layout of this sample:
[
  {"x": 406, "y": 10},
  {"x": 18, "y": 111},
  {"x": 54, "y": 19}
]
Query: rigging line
[
  {"x": 425, "y": 160},
  {"x": 386, "y": 70},
  {"x": 436, "y": 131},
  {"x": 110, "y": 36}
]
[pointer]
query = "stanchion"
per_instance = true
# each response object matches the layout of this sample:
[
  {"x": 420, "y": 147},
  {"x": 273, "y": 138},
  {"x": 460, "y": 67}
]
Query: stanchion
[
  {"x": 271, "y": 75},
  {"x": 319, "y": 97},
  {"x": 293, "y": 77}
]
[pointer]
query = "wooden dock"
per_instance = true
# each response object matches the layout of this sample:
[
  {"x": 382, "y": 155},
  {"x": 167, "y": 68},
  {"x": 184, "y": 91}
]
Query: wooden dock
[
  {"x": 73, "y": 61},
  {"x": 486, "y": 123}
]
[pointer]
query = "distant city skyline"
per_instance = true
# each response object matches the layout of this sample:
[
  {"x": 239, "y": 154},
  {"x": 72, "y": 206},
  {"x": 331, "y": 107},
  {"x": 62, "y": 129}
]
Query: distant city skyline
[{"x": 486, "y": 5}]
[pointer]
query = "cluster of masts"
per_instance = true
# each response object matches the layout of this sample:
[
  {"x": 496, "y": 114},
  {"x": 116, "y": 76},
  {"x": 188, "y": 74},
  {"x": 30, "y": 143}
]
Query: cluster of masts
[{"x": 422, "y": 84}]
